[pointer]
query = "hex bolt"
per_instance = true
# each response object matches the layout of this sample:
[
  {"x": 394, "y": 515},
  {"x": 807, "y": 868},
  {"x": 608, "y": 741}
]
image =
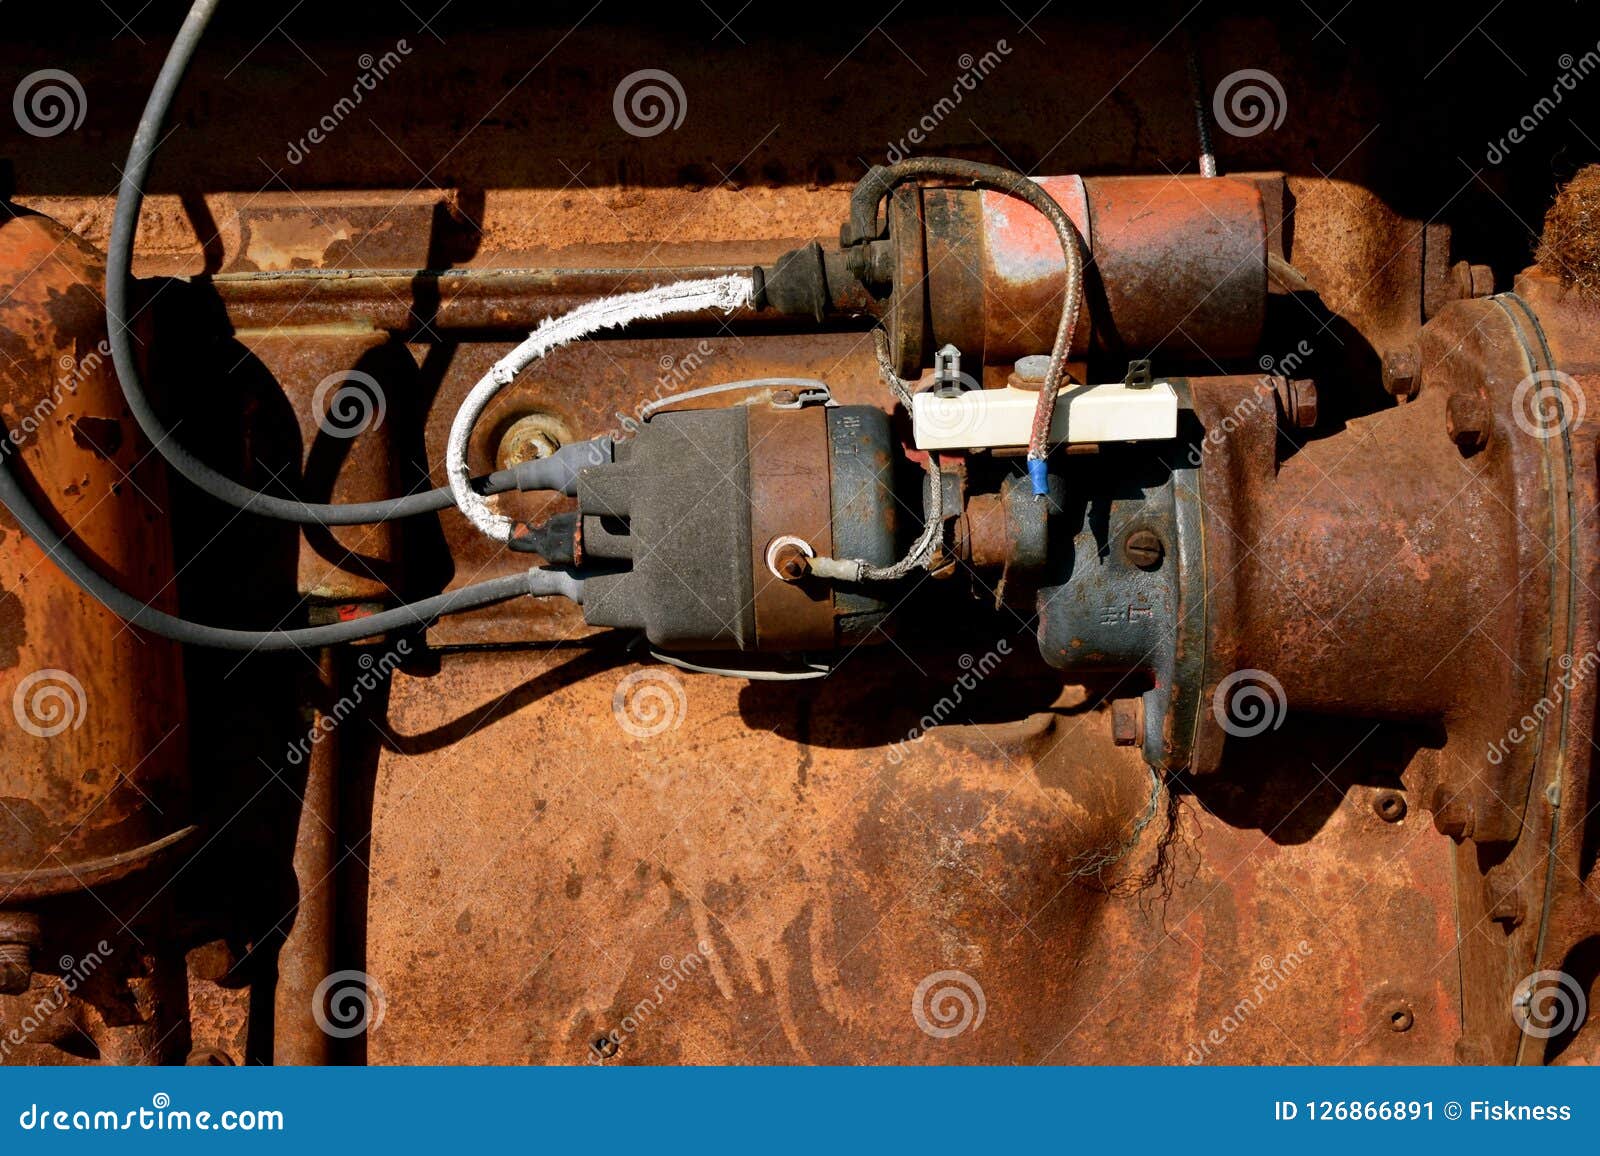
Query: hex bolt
[
  {"x": 1390, "y": 806},
  {"x": 1508, "y": 909},
  {"x": 1467, "y": 420},
  {"x": 1127, "y": 722},
  {"x": 1472, "y": 281},
  {"x": 1302, "y": 403},
  {"x": 19, "y": 935},
  {"x": 1144, "y": 549},
  {"x": 1029, "y": 372},
  {"x": 1402, "y": 372},
  {"x": 1452, "y": 813}
]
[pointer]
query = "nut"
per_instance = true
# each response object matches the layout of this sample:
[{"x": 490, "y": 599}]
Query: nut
[
  {"x": 1390, "y": 806},
  {"x": 1300, "y": 402},
  {"x": 1467, "y": 420},
  {"x": 1402, "y": 372},
  {"x": 1127, "y": 721},
  {"x": 1472, "y": 281}
]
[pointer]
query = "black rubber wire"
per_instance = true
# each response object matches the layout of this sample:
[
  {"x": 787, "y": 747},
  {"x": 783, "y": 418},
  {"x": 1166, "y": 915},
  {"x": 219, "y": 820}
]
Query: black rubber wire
[
  {"x": 119, "y": 283},
  {"x": 118, "y": 279},
  {"x": 146, "y": 617}
]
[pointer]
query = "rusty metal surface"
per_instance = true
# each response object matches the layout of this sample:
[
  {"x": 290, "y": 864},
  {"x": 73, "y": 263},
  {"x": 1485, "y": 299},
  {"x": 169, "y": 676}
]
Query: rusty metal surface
[
  {"x": 93, "y": 775},
  {"x": 795, "y": 859},
  {"x": 1179, "y": 265},
  {"x": 812, "y": 879}
]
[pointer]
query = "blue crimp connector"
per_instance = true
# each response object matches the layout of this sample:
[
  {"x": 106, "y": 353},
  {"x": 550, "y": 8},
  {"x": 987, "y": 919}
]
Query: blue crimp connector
[{"x": 1039, "y": 475}]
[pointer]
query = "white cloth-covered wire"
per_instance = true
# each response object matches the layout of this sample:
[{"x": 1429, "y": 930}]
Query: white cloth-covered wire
[{"x": 724, "y": 293}]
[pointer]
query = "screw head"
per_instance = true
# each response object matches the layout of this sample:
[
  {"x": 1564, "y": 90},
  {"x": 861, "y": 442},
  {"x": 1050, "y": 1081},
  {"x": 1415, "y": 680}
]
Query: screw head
[{"x": 1144, "y": 549}]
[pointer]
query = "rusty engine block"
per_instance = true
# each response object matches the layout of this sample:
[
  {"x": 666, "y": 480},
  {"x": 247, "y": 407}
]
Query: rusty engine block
[{"x": 1133, "y": 615}]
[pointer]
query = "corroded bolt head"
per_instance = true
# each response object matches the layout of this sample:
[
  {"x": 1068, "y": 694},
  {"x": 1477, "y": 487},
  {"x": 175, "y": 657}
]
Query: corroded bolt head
[
  {"x": 1472, "y": 281},
  {"x": 1402, "y": 372},
  {"x": 19, "y": 935},
  {"x": 1467, "y": 420},
  {"x": 1508, "y": 909},
  {"x": 1144, "y": 549},
  {"x": 1302, "y": 403},
  {"x": 1127, "y": 721},
  {"x": 1452, "y": 813}
]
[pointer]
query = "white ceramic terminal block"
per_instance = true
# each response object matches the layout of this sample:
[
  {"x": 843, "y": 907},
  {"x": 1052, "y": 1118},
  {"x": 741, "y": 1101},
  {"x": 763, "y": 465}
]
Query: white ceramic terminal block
[{"x": 995, "y": 418}]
